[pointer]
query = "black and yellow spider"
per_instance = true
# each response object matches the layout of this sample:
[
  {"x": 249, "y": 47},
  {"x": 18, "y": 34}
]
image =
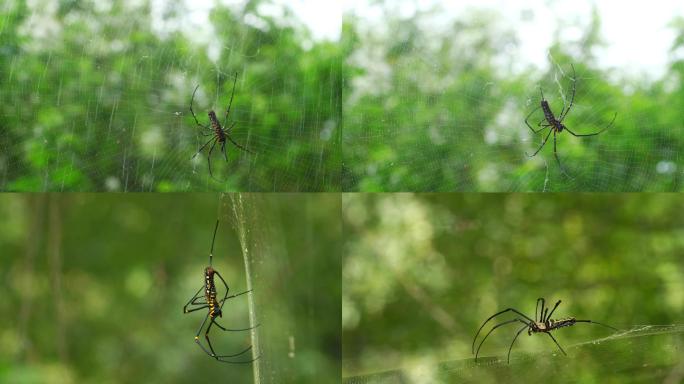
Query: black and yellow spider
[
  {"x": 544, "y": 325},
  {"x": 209, "y": 300}
]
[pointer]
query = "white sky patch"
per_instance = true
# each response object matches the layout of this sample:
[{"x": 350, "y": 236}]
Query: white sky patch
[
  {"x": 637, "y": 33},
  {"x": 323, "y": 18}
]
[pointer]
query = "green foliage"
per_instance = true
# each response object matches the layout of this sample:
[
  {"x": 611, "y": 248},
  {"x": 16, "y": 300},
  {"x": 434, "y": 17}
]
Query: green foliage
[
  {"x": 421, "y": 273},
  {"x": 431, "y": 107},
  {"x": 96, "y": 97},
  {"x": 94, "y": 286}
]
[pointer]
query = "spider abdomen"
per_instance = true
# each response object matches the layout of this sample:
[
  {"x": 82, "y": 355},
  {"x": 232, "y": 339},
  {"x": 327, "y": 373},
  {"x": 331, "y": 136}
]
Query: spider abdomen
[
  {"x": 548, "y": 115},
  {"x": 210, "y": 290},
  {"x": 550, "y": 118},
  {"x": 216, "y": 126},
  {"x": 560, "y": 323},
  {"x": 551, "y": 324}
]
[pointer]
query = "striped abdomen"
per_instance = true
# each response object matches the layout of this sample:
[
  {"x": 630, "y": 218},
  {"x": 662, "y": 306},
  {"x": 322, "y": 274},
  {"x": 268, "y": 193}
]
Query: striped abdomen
[
  {"x": 550, "y": 118},
  {"x": 560, "y": 323},
  {"x": 551, "y": 325},
  {"x": 216, "y": 126},
  {"x": 210, "y": 291}
]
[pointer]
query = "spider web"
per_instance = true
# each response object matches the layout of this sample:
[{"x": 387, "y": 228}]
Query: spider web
[
  {"x": 437, "y": 103},
  {"x": 111, "y": 273},
  {"x": 615, "y": 354},
  {"x": 97, "y": 97},
  {"x": 417, "y": 267},
  {"x": 285, "y": 345}
]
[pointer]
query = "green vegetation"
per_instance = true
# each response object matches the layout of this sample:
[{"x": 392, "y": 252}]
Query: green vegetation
[
  {"x": 95, "y": 97},
  {"x": 94, "y": 286},
  {"x": 431, "y": 106},
  {"x": 421, "y": 273}
]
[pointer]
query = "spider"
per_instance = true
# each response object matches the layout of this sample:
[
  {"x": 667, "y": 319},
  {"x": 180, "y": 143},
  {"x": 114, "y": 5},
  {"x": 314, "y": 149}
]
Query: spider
[
  {"x": 215, "y": 309},
  {"x": 545, "y": 324},
  {"x": 218, "y": 133},
  {"x": 556, "y": 125}
]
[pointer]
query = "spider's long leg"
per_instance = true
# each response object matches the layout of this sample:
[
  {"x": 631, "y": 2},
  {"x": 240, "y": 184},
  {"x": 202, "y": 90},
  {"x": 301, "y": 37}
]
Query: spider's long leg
[
  {"x": 235, "y": 329},
  {"x": 495, "y": 315},
  {"x": 225, "y": 119},
  {"x": 238, "y": 145},
  {"x": 232, "y": 296},
  {"x": 223, "y": 150},
  {"x": 584, "y": 135},
  {"x": 595, "y": 133},
  {"x": 239, "y": 353},
  {"x": 477, "y": 352},
  {"x": 508, "y": 359},
  {"x": 193, "y": 112},
  {"x": 225, "y": 296},
  {"x": 211, "y": 352},
  {"x": 528, "y": 124},
  {"x": 209, "y": 157},
  {"x": 238, "y": 362},
  {"x": 213, "y": 240},
  {"x": 564, "y": 112},
  {"x": 542, "y": 144},
  {"x": 554, "y": 340},
  {"x": 202, "y": 147},
  {"x": 555, "y": 154},
  {"x": 196, "y": 309},
  {"x": 206, "y": 336},
  {"x": 238, "y": 294},
  {"x": 542, "y": 125},
  {"x": 233, "y": 141},
  {"x": 219, "y": 358},
  {"x": 194, "y": 301},
  {"x": 195, "y": 296},
  {"x": 541, "y": 299},
  {"x": 596, "y": 322},
  {"x": 554, "y": 308},
  {"x": 223, "y": 301},
  {"x": 198, "y": 333}
]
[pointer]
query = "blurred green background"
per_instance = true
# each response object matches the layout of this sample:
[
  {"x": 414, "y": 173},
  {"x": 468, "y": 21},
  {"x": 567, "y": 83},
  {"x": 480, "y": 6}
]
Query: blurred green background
[
  {"x": 421, "y": 273},
  {"x": 93, "y": 287},
  {"x": 95, "y": 96},
  {"x": 436, "y": 101}
]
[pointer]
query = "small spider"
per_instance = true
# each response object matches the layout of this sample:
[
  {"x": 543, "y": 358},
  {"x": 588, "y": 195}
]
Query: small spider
[
  {"x": 544, "y": 325},
  {"x": 556, "y": 125},
  {"x": 218, "y": 133}
]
